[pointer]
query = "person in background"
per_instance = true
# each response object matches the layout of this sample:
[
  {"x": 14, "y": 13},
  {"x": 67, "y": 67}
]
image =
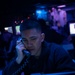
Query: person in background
[
  {"x": 51, "y": 35},
  {"x": 62, "y": 17},
  {"x": 44, "y": 57},
  {"x": 55, "y": 16}
]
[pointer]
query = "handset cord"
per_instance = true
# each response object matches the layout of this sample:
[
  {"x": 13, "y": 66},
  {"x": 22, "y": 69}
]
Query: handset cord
[{"x": 21, "y": 68}]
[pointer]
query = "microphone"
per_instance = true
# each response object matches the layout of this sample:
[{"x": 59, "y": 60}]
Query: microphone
[{"x": 26, "y": 52}]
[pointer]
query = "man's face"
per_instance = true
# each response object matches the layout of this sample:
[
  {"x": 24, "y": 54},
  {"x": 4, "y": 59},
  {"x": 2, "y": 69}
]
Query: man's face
[{"x": 32, "y": 40}]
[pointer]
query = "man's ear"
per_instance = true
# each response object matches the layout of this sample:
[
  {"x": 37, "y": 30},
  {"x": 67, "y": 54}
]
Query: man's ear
[{"x": 42, "y": 37}]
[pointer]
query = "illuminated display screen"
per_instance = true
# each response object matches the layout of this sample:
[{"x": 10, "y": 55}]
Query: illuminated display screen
[
  {"x": 9, "y": 29},
  {"x": 18, "y": 29},
  {"x": 72, "y": 28}
]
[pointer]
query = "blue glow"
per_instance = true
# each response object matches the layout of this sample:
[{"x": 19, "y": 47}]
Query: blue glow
[
  {"x": 41, "y": 14},
  {"x": 38, "y": 11}
]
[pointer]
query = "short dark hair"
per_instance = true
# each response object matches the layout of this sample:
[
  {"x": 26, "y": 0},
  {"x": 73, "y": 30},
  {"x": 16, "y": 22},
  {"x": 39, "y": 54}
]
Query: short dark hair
[{"x": 30, "y": 24}]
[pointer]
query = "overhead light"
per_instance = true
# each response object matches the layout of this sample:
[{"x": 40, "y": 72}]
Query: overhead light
[{"x": 61, "y": 6}]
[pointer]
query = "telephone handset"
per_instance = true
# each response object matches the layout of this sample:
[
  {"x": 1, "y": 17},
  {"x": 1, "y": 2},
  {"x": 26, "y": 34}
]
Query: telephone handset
[{"x": 27, "y": 54}]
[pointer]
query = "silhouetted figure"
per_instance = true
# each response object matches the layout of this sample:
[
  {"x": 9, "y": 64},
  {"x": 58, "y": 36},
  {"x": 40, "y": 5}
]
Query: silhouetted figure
[{"x": 51, "y": 34}]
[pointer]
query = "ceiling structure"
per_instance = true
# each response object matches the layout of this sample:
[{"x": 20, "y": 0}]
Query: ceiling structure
[{"x": 14, "y": 8}]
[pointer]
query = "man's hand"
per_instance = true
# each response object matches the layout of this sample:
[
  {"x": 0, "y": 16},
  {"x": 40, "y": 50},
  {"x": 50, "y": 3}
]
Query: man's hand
[{"x": 19, "y": 48}]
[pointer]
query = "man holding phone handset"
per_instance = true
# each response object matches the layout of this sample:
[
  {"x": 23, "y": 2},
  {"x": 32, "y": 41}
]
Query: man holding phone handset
[{"x": 45, "y": 57}]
